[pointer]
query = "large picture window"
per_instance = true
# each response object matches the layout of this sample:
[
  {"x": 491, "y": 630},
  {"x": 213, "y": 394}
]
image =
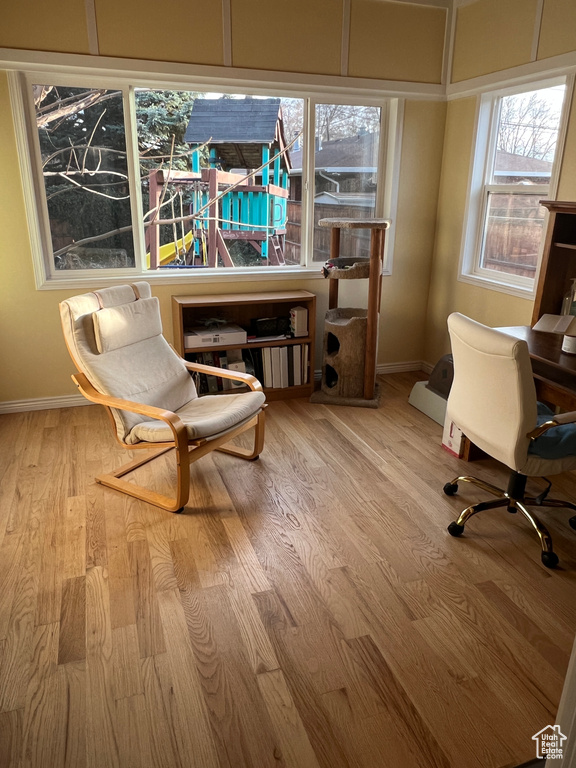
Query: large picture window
[
  {"x": 517, "y": 144},
  {"x": 137, "y": 180}
]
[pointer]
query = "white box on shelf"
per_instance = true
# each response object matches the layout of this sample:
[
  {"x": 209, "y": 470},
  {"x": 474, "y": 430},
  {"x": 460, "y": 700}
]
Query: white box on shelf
[
  {"x": 204, "y": 337},
  {"x": 299, "y": 321},
  {"x": 453, "y": 439}
]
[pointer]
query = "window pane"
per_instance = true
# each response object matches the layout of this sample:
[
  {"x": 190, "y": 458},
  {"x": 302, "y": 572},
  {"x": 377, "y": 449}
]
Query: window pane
[
  {"x": 84, "y": 167},
  {"x": 514, "y": 228},
  {"x": 525, "y": 144},
  {"x": 346, "y": 173},
  {"x": 203, "y": 203},
  {"x": 527, "y": 136}
]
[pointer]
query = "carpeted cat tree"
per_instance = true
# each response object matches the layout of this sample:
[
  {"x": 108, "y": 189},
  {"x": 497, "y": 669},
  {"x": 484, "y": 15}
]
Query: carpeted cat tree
[{"x": 350, "y": 334}]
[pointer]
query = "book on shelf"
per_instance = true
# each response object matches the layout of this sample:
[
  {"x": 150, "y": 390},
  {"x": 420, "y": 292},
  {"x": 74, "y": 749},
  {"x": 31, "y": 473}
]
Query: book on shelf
[
  {"x": 267, "y": 366},
  {"x": 284, "y": 379},
  {"x": 290, "y": 365},
  {"x": 305, "y": 363},
  {"x": 276, "y": 374},
  {"x": 297, "y": 364},
  {"x": 299, "y": 321}
]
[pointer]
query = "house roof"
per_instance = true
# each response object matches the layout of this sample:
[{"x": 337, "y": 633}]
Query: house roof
[
  {"x": 520, "y": 165},
  {"x": 238, "y": 127},
  {"x": 353, "y": 153}
]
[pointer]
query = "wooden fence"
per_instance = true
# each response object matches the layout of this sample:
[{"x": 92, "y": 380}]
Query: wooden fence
[{"x": 354, "y": 243}]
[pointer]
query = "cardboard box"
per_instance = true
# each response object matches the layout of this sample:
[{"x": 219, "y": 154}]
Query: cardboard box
[
  {"x": 453, "y": 439},
  {"x": 204, "y": 337}
]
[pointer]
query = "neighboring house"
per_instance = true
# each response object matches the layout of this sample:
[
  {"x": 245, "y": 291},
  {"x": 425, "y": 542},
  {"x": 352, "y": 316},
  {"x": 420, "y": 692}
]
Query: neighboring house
[{"x": 343, "y": 167}]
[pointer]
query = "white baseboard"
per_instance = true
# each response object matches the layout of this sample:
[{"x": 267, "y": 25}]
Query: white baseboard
[
  {"x": 71, "y": 401},
  {"x": 414, "y": 365},
  {"x": 43, "y": 403}
]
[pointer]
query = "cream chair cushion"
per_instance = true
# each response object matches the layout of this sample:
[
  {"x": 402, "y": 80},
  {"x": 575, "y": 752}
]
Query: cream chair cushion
[
  {"x": 204, "y": 417},
  {"x": 116, "y": 327}
]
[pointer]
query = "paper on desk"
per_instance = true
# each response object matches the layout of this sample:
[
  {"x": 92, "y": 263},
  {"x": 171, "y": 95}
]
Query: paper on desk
[{"x": 565, "y": 324}]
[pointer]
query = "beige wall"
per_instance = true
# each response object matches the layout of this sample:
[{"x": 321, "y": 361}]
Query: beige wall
[{"x": 388, "y": 40}]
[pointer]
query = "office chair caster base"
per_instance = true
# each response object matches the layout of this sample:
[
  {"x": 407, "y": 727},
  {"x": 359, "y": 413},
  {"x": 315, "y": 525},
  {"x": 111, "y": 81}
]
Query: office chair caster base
[
  {"x": 455, "y": 530},
  {"x": 572, "y": 522},
  {"x": 550, "y": 559},
  {"x": 450, "y": 489}
]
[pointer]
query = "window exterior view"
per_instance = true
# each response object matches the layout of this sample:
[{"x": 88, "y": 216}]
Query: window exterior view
[
  {"x": 517, "y": 156},
  {"x": 197, "y": 180}
]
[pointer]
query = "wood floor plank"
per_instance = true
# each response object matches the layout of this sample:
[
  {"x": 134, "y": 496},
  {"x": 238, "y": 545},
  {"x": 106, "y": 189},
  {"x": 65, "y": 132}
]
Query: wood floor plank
[
  {"x": 17, "y": 645},
  {"x": 150, "y": 634},
  {"x": 127, "y": 679},
  {"x": 293, "y": 741},
  {"x": 11, "y": 730},
  {"x": 74, "y": 685},
  {"x": 45, "y": 714},
  {"x": 72, "y": 634},
  {"x": 407, "y": 717},
  {"x": 195, "y": 739},
  {"x": 101, "y": 741}
]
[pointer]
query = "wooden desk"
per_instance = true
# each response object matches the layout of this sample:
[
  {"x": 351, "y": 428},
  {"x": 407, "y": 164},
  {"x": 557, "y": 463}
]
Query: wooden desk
[{"x": 554, "y": 370}]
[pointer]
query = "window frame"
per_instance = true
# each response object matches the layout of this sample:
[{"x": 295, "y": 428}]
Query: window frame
[
  {"x": 47, "y": 277},
  {"x": 480, "y": 186}
]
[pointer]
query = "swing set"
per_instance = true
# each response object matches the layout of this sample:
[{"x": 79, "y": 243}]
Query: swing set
[{"x": 242, "y": 195}]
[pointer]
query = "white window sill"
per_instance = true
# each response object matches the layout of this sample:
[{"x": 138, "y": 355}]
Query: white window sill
[
  {"x": 497, "y": 285},
  {"x": 183, "y": 277}
]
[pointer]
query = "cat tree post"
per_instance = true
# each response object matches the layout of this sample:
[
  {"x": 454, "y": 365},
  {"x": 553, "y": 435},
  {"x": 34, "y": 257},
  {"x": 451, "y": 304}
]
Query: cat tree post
[{"x": 351, "y": 336}]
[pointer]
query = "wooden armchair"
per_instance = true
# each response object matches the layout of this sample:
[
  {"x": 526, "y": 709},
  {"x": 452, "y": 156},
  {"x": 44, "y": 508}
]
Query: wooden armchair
[{"x": 124, "y": 363}]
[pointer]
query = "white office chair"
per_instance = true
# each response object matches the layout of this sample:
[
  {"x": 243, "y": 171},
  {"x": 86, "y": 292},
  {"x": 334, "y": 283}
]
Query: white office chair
[
  {"x": 125, "y": 364},
  {"x": 493, "y": 401}
]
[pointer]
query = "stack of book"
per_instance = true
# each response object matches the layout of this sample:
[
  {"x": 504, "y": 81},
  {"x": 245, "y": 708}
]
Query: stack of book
[
  {"x": 285, "y": 366},
  {"x": 274, "y": 367}
]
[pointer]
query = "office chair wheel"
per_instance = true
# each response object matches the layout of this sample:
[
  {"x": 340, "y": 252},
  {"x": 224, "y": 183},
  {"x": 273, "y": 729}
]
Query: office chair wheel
[
  {"x": 572, "y": 522},
  {"x": 454, "y": 529},
  {"x": 450, "y": 489},
  {"x": 550, "y": 559}
]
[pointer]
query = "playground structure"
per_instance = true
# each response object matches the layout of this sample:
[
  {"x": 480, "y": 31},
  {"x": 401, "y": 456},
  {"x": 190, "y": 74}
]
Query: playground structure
[{"x": 229, "y": 201}]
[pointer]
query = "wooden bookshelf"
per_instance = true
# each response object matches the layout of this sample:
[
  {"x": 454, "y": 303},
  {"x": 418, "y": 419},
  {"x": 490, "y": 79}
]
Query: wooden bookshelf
[
  {"x": 240, "y": 309},
  {"x": 558, "y": 258}
]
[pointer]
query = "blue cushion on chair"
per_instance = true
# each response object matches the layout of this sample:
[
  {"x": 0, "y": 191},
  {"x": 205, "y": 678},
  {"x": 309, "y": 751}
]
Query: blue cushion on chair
[{"x": 557, "y": 442}]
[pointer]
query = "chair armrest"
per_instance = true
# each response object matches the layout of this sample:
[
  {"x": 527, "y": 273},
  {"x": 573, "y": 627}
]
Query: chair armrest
[
  {"x": 91, "y": 393},
  {"x": 224, "y": 373},
  {"x": 556, "y": 421}
]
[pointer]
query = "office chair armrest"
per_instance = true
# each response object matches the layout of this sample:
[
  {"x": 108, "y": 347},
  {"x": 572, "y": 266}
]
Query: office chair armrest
[
  {"x": 224, "y": 373},
  {"x": 91, "y": 393},
  {"x": 556, "y": 421}
]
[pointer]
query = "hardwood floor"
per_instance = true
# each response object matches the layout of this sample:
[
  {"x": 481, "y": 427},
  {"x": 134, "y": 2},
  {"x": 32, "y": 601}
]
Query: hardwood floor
[{"x": 307, "y": 610}]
